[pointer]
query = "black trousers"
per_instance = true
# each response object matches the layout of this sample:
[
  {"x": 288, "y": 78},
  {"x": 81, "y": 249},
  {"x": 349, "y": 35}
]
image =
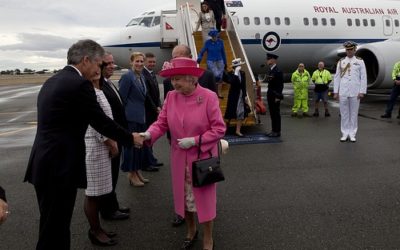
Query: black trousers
[
  {"x": 56, "y": 205},
  {"x": 108, "y": 203},
  {"x": 275, "y": 113}
]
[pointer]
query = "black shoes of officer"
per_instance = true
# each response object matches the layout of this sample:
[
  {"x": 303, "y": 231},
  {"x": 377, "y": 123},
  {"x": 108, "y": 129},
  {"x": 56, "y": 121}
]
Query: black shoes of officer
[
  {"x": 125, "y": 210},
  {"x": 117, "y": 215},
  {"x": 151, "y": 169},
  {"x": 274, "y": 134},
  {"x": 386, "y": 115},
  {"x": 177, "y": 221}
]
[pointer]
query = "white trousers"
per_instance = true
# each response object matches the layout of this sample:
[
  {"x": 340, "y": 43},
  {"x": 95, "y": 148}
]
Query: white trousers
[{"x": 349, "y": 115}]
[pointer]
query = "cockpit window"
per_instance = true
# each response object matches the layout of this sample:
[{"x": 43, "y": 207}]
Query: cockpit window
[
  {"x": 156, "y": 21},
  {"x": 151, "y": 13},
  {"x": 134, "y": 21},
  {"x": 146, "y": 21}
]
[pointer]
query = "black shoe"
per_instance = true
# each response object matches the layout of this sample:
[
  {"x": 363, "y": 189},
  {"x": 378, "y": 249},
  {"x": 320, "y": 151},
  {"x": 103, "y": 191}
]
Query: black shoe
[
  {"x": 159, "y": 164},
  {"x": 124, "y": 210},
  {"x": 96, "y": 241},
  {"x": 151, "y": 169},
  {"x": 316, "y": 114},
  {"x": 327, "y": 114},
  {"x": 117, "y": 215},
  {"x": 178, "y": 220},
  {"x": 306, "y": 115},
  {"x": 274, "y": 134},
  {"x": 110, "y": 234},
  {"x": 386, "y": 116},
  {"x": 398, "y": 117},
  {"x": 220, "y": 97},
  {"x": 188, "y": 243}
]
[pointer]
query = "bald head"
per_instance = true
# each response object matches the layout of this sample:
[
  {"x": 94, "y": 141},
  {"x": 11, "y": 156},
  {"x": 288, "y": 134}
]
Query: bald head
[
  {"x": 181, "y": 50},
  {"x": 321, "y": 65}
]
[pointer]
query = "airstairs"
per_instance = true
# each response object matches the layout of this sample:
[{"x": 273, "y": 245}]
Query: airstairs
[{"x": 186, "y": 18}]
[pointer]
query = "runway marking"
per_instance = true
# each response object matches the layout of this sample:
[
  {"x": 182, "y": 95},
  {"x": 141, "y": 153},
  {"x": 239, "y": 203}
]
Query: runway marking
[
  {"x": 29, "y": 91},
  {"x": 17, "y": 112},
  {"x": 16, "y": 131},
  {"x": 19, "y": 117}
]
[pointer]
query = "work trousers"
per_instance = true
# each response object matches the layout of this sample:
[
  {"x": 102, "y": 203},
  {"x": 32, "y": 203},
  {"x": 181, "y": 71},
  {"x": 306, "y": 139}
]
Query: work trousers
[
  {"x": 349, "y": 115},
  {"x": 393, "y": 98},
  {"x": 300, "y": 104}
]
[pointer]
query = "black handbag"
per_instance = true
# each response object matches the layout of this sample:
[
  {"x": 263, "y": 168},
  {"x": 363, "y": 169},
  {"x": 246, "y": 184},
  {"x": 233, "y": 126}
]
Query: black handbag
[{"x": 207, "y": 171}]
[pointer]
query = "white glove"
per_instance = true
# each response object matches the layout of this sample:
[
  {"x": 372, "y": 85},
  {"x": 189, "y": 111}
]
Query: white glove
[
  {"x": 237, "y": 70},
  {"x": 146, "y": 135},
  {"x": 186, "y": 143}
]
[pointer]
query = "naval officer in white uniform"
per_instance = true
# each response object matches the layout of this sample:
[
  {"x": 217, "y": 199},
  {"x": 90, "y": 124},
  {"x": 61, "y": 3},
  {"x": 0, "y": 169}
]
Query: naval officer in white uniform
[{"x": 349, "y": 86}]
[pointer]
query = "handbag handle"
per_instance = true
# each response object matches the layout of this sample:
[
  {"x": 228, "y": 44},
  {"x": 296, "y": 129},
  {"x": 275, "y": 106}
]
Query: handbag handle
[{"x": 199, "y": 151}]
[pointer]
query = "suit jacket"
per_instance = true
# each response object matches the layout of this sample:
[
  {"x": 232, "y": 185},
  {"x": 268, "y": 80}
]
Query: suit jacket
[
  {"x": 66, "y": 105},
  {"x": 2, "y": 194},
  {"x": 206, "y": 80},
  {"x": 115, "y": 101},
  {"x": 275, "y": 83},
  {"x": 153, "y": 97},
  {"x": 133, "y": 95}
]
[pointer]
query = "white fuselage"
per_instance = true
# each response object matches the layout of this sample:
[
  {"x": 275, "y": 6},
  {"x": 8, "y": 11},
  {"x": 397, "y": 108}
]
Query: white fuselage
[{"x": 298, "y": 31}]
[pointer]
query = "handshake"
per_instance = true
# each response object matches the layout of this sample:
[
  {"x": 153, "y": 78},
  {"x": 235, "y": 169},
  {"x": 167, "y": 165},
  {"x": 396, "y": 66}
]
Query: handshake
[{"x": 139, "y": 138}]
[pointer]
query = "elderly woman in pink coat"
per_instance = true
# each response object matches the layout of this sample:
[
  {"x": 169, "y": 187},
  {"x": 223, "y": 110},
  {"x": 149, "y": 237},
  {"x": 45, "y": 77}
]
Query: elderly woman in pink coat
[{"x": 188, "y": 112}]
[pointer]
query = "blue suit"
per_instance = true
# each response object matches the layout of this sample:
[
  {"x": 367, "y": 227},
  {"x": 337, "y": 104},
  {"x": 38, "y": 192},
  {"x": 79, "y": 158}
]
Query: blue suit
[{"x": 133, "y": 94}]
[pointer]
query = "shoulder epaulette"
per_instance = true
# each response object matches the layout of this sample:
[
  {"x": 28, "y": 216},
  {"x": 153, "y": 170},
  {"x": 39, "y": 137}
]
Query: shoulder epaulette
[{"x": 359, "y": 58}]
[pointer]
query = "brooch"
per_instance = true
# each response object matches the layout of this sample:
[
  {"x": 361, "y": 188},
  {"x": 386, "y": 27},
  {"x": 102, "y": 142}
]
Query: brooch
[{"x": 199, "y": 99}]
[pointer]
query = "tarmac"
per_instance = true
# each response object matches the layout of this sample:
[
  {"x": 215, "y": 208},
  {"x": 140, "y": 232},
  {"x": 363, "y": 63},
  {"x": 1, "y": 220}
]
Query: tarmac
[{"x": 309, "y": 191}]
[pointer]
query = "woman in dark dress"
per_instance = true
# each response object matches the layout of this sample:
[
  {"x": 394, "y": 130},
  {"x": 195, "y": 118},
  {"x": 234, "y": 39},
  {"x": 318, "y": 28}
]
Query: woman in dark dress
[{"x": 237, "y": 97}]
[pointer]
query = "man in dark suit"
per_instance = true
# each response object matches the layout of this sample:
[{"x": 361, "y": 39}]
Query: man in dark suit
[
  {"x": 109, "y": 206},
  {"x": 3, "y": 206},
  {"x": 152, "y": 106},
  {"x": 274, "y": 94},
  {"x": 66, "y": 105}
]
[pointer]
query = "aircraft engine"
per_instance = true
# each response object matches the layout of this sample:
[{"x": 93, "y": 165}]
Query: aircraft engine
[{"x": 379, "y": 59}]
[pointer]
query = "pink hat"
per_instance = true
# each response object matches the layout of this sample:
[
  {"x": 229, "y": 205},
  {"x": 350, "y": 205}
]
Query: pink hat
[{"x": 181, "y": 66}]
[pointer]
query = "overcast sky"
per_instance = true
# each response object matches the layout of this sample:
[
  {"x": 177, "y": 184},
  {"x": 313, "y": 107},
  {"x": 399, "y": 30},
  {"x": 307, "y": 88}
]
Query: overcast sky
[{"x": 36, "y": 34}]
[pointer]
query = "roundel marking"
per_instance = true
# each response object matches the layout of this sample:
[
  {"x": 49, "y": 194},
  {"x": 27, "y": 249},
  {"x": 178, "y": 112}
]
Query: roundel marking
[{"x": 271, "y": 41}]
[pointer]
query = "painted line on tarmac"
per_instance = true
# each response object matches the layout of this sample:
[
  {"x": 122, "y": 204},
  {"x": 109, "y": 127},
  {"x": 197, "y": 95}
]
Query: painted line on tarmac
[{"x": 16, "y": 131}]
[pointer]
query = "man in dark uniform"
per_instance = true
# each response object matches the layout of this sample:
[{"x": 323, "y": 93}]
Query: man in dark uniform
[
  {"x": 152, "y": 107},
  {"x": 274, "y": 94},
  {"x": 109, "y": 206}
]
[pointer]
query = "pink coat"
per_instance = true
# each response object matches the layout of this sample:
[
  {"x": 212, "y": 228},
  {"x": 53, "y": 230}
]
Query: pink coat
[{"x": 191, "y": 116}]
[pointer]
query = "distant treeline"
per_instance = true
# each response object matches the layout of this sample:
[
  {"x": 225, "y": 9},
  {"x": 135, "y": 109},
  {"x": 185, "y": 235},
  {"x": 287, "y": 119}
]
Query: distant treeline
[{"x": 26, "y": 72}]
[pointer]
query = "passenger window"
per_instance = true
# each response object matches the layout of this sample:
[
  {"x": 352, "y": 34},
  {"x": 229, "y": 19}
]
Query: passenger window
[
  {"x": 267, "y": 21},
  {"x": 387, "y": 23},
  {"x": 156, "y": 21},
  {"x": 277, "y": 21},
  {"x": 365, "y": 22},
  {"x": 396, "y": 23},
  {"x": 333, "y": 21},
  {"x": 315, "y": 21},
  {"x": 372, "y": 21},
  {"x": 323, "y": 21},
  {"x": 257, "y": 21},
  {"x": 306, "y": 21},
  {"x": 246, "y": 21},
  {"x": 358, "y": 22},
  {"x": 287, "y": 20},
  {"x": 349, "y": 22}
]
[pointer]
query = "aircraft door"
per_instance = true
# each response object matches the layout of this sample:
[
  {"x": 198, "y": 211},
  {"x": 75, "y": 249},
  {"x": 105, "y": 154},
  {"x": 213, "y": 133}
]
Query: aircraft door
[
  {"x": 169, "y": 31},
  {"x": 387, "y": 25}
]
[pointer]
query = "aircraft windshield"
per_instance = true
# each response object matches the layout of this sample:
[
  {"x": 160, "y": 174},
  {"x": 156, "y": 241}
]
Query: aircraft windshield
[{"x": 134, "y": 21}]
